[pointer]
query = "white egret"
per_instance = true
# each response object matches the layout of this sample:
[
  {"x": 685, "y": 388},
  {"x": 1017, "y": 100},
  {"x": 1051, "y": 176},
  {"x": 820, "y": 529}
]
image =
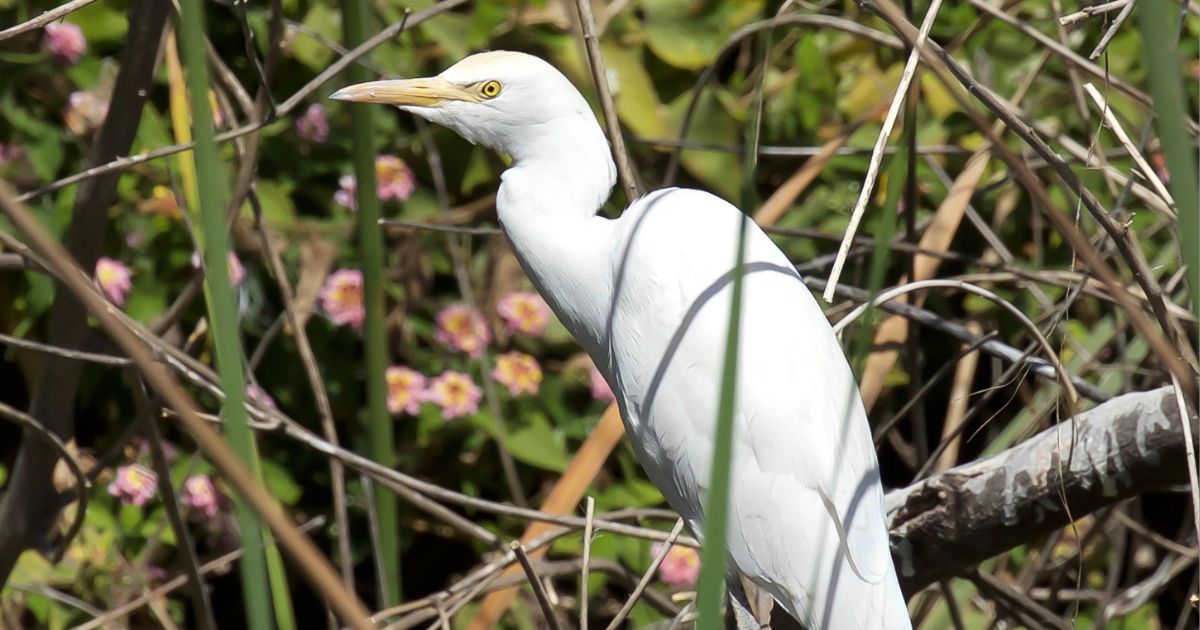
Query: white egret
[{"x": 648, "y": 297}]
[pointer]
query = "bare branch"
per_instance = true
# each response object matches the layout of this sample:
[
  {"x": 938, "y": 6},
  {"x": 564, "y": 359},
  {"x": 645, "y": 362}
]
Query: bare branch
[
  {"x": 539, "y": 589},
  {"x": 44, "y": 19},
  {"x": 885, "y": 132},
  {"x": 952, "y": 521},
  {"x": 596, "y": 62}
]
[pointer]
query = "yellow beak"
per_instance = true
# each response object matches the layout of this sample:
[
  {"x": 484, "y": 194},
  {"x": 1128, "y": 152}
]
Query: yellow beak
[{"x": 401, "y": 92}]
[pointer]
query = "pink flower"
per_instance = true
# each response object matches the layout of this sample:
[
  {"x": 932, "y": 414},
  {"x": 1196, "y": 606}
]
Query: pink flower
[
  {"x": 405, "y": 390},
  {"x": 393, "y": 178},
  {"x": 600, "y": 389},
  {"x": 313, "y": 125},
  {"x": 85, "y": 112},
  {"x": 64, "y": 41},
  {"x": 135, "y": 484},
  {"x": 524, "y": 312},
  {"x": 519, "y": 372},
  {"x": 347, "y": 188},
  {"x": 113, "y": 278},
  {"x": 257, "y": 395},
  {"x": 455, "y": 393},
  {"x": 342, "y": 298},
  {"x": 680, "y": 568},
  {"x": 462, "y": 329},
  {"x": 201, "y": 496},
  {"x": 237, "y": 272}
]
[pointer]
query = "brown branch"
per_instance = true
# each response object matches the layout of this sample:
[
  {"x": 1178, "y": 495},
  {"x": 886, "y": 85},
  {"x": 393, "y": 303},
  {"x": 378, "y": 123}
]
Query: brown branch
[
  {"x": 948, "y": 523},
  {"x": 587, "y": 24},
  {"x": 44, "y": 19},
  {"x": 29, "y": 507},
  {"x": 82, "y": 485},
  {"x": 539, "y": 589}
]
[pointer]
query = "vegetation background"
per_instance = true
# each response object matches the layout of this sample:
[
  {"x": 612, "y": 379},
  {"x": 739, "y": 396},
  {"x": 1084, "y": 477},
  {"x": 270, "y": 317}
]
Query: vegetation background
[{"x": 487, "y": 397}]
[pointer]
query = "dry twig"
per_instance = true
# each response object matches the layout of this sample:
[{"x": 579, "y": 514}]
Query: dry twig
[
  {"x": 864, "y": 195},
  {"x": 612, "y": 124}
]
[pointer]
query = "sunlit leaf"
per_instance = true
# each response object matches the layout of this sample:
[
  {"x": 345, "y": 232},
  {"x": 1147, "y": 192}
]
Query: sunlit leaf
[{"x": 689, "y": 34}]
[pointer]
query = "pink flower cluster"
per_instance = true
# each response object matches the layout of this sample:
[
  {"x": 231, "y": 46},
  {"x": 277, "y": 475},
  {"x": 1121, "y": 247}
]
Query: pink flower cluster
[
  {"x": 342, "y": 298},
  {"x": 405, "y": 390},
  {"x": 519, "y": 372},
  {"x": 114, "y": 279},
  {"x": 65, "y": 42},
  {"x": 134, "y": 484},
  {"x": 394, "y": 180},
  {"x": 313, "y": 124},
  {"x": 455, "y": 392},
  {"x": 462, "y": 329},
  {"x": 524, "y": 312},
  {"x": 680, "y": 568},
  {"x": 201, "y": 496}
]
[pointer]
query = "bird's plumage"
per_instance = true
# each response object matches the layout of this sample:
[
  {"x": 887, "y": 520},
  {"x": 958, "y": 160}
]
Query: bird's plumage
[{"x": 648, "y": 296}]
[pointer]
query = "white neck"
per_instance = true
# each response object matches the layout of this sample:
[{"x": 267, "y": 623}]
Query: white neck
[{"x": 547, "y": 206}]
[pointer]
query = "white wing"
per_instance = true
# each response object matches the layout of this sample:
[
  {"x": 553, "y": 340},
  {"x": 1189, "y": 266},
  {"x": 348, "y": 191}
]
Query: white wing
[{"x": 807, "y": 517}]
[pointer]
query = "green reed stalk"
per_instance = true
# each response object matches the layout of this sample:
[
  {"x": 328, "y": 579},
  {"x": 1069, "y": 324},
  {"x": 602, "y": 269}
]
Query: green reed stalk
[
  {"x": 716, "y": 522},
  {"x": 355, "y": 23},
  {"x": 211, "y": 186},
  {"x": 1162, "y": 62}
]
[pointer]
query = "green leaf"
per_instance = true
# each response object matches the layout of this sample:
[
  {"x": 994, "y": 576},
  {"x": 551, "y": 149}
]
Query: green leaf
[
  {"x": 155, "y": 525},
  {"x": 687, "y": 34},
  {"x": 638, "y": 105},
  {"x": 719, "y": 170},
  {"x": 130, "y": 517},
  {"x": 275, "y": 196},
  {"x": 452, "y": 32},
  {"x": 325, "y": 21},
  {"x": 147, "y": 300},
  {"x": 538, "y": 444},
  {"x": 41, "y": 293},
  {"x": 280, "y": 484},
  {"x": 31, "y": 568},
  {"x": 44, "y": 142},
  {"x": 478, "y": 172},
  {"x": 101, "y": 22}
]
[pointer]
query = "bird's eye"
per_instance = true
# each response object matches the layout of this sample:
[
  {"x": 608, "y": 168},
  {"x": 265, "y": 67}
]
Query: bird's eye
[{"x": 491, "y": 89}]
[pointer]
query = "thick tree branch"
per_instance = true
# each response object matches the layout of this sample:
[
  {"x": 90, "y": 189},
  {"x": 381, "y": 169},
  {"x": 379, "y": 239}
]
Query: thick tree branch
[
  {"x": 950, "y": 522},
  {"x": 30, "y": 505}
]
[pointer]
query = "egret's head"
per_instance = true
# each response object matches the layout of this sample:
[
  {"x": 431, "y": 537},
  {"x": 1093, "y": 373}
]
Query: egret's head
[{"x": 503, "y": 100}]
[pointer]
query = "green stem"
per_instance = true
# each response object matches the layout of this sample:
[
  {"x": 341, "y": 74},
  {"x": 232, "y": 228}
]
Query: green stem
[
  {"x": 1161, "y": 54},
  {"x": 370, "y": 244},
  {"x": 716, "y": 520},
  {"x": 222, "y": 311}
]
